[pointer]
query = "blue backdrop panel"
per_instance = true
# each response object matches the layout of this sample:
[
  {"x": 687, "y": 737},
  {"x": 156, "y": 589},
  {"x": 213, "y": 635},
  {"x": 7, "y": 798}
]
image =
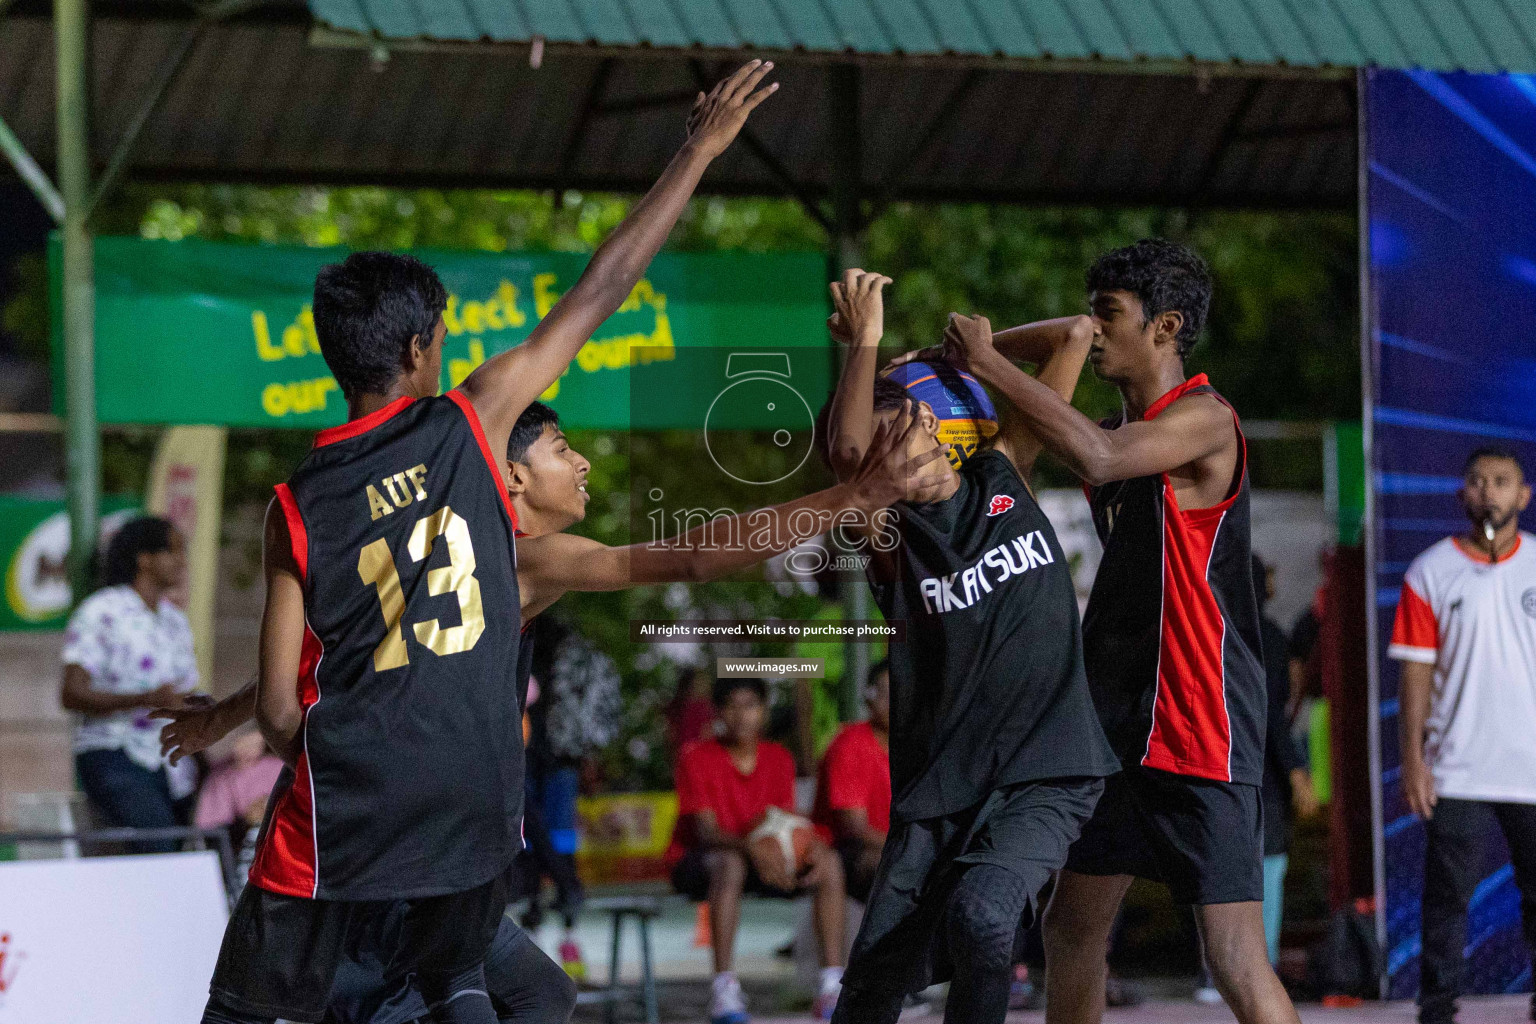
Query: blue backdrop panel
[{"x": 1451, "y": 219}]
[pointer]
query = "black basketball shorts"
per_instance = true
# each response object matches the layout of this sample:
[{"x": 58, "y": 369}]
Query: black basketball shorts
[{"x": 1203, "y": 838}]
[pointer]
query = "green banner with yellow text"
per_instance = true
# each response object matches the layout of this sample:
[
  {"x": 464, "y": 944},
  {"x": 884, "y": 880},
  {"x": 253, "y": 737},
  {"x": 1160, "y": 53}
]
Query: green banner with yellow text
[{"x": 220, "y": 333}]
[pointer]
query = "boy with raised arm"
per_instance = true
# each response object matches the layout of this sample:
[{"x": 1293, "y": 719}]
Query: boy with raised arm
[
  {"x": 996, "y": 756},
  {"x": 388, "y": 646}
]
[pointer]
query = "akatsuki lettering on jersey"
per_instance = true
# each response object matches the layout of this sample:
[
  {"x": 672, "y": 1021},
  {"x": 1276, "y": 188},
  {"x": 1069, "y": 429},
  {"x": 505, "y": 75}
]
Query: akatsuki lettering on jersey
[{"x": 1012, "y": 558}]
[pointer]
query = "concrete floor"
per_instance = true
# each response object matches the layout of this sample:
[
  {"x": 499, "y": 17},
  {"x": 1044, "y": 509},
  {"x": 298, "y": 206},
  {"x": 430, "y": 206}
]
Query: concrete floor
[{"x": 779, "y": 993}]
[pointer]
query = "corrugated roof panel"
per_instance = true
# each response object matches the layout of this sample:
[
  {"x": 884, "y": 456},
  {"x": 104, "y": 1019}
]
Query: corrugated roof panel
[
  {"x": 656, "y": 24},
  {"x": 1290, "y": 44},
  {"x": 858, "y": 28},
  {"x": 759, "y": 23},
  {"x": 1502, "y": 35},
  {"x": 1240, "y": 31},
  {"x": 1460, "y": 37},
  {"x": 502, "y": 23},
  {"x": 809, "y": 25},
  {"x": 1330, "y": 38},
  {"x": 453, "y": 19},
  {"x": 709, "y": 23},
  {"x": 1193, "y": 31},
  {"x": 1142, "y": 24},
  {"x": 1097, "y": 25},
  {"x": 1435, "y": 34},
  {"x": 1420, "y": 40},
  {"x": 1005, "y": 30},
  {"x": 572, "y": 21},
  {"x": 393, "y": 18},
  {"x": 907, "y": 24},
  {"x": 960, "y": 32},
  {"x": 1524, "y": 15},
  {"x": 1369, "y": 25},
  {"x": 1054, "y": 30}
]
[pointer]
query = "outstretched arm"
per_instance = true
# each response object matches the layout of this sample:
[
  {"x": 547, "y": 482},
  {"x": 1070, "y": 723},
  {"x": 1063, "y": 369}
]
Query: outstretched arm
[
  {"x": 553, "y": 564},
  {"x": 1058, "y": 348},
  {"x": 1189, "y": 430},
  {"x": 858, "y": 321},
  {"x": 503, "y": 386},
  {"x": 278, "y": 711}
]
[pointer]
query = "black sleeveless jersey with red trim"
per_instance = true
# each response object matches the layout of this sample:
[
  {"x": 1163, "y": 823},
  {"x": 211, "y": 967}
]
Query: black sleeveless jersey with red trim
[
  {"x": 987, "y": 689},
  {"x": 1171, "y": 635},
  {"x": 409, "y": 782}
]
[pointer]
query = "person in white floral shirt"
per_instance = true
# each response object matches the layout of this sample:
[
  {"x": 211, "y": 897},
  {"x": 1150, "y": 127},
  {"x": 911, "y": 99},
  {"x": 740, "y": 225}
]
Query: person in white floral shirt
[{"x": 127, "y": 650}]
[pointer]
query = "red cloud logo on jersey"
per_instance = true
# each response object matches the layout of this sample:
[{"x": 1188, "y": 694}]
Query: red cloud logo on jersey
[{"x": 1000, "y": 503}]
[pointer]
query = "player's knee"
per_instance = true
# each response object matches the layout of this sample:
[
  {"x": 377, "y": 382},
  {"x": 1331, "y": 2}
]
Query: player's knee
[
  {"x": 982, "y": 921},
  {"x": 726, "y": 867},
  {"x": 829, "y": 865},
  {"x": 1071, "y": 934}
]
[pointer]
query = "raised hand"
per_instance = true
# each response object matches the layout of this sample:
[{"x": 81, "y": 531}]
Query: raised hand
[
  {"x": 717, "y": 117},
  {"x": 967, "y": 337},
  {"x": 886, "y": 474},
  {"x": 859, "y": 317}
]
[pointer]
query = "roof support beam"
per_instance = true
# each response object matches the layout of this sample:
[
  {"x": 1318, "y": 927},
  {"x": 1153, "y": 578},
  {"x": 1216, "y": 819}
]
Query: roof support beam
[
  {"x": 772, "y": 163},
  {"x": 1229, "y": 134},
  {"x": 35, "y": 177},
  {"x": 150, "y": 104},
  {"x": 589, "y": 107},
  {"x": 925, "y": 144}
]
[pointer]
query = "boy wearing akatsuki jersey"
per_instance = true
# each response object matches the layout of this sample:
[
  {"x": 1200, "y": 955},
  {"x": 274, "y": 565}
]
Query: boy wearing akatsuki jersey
[
  {"x": 1170, "y": 636},
  {"x": 996, "y": 755}
]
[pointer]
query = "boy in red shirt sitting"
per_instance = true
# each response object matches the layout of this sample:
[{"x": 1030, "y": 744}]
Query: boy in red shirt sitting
[
  {"x": 724, "y": 786},
  {"x": 853, "y": 792}
]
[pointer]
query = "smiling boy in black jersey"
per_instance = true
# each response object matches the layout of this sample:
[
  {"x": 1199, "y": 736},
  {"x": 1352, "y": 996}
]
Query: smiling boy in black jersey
[{"x": 997, "y": 757}]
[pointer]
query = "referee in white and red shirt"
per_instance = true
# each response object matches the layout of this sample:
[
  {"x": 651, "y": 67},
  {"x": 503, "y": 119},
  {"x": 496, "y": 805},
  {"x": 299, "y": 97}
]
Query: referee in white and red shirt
[{"x": 1466, "y": 637}]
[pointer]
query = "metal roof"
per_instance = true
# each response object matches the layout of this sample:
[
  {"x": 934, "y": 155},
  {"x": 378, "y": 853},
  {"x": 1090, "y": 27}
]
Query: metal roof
[
  {"x": 268, "y": 97},
  {"x": 1471, "y": 35}
]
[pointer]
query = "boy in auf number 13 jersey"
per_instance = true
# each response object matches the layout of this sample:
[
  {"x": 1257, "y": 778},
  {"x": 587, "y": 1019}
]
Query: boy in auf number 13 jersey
[{"x": 388, "y": 649}]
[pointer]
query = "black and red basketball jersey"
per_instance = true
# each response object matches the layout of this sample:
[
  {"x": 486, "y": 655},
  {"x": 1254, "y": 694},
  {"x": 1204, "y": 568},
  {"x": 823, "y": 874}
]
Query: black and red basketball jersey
[
  {"x": 987, "y": 690},
  {"x": 410, "y": 779},
  {"x": 1171, "y": 634}
]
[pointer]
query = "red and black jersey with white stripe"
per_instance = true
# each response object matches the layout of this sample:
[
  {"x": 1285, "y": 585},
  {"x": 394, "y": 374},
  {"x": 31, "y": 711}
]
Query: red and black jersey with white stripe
[
  {"x": 409, "y": 782},
  {"x": 1171, "y": 635}
]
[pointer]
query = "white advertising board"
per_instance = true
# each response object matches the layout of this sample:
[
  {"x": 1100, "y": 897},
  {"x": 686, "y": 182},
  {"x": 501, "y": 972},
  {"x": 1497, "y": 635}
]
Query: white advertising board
[{"x": 109, "y": 940}]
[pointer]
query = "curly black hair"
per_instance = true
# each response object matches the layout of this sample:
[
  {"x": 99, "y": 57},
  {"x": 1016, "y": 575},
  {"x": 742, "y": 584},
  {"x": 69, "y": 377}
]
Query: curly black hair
[
  {"x": 1165, "y": 276},
  {"x": 143, "y": 535},
  {"x": 367, "y": 309}
]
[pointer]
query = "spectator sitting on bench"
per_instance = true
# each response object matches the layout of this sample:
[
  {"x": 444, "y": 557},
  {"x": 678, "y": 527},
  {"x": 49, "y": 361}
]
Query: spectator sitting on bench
[
  {"x": 853, "y": 789},
  {"x": 724, "y": 786}
]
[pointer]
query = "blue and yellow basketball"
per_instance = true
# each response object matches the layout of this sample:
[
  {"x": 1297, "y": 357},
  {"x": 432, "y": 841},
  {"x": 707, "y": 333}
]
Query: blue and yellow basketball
[{"x": 964, "y": 409}]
